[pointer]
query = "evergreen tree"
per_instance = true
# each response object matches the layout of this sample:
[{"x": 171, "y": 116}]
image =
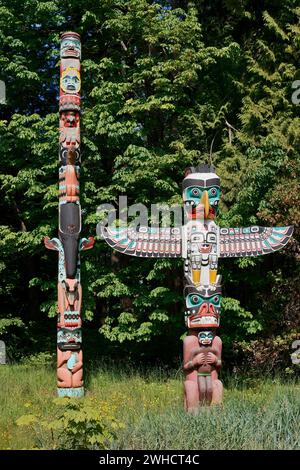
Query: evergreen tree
[{"x": 165, "y": 85}]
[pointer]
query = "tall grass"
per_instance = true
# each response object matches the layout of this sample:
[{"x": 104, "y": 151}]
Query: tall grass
[{"x": 257, "y": 413}]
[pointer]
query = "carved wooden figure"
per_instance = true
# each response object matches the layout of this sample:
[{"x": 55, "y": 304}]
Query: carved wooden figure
[
  {"x": 200, "y": 242},
  {"x": 68, "y": 244},
  {"x": 202, "y": 363}
]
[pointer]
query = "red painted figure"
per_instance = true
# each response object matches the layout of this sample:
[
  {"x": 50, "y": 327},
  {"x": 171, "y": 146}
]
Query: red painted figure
[{"x": 201, "y": 363}]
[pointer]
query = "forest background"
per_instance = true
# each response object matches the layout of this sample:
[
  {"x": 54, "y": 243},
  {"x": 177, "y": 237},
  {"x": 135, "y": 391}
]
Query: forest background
[{"x": 165, "y": 85}]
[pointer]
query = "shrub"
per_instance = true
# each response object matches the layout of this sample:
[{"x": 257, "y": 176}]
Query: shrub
[{"x": 73, "y": 424}]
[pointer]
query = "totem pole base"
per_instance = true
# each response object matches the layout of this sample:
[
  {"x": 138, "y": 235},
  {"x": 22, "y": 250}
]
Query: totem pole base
[{"x": 71, "y": 392}]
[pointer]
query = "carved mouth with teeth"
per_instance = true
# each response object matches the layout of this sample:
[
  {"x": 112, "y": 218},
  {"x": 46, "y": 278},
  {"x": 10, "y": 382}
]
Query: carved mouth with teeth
[
  {"x": 203, "y": 320},
  {"x": 71, "y": 51}
]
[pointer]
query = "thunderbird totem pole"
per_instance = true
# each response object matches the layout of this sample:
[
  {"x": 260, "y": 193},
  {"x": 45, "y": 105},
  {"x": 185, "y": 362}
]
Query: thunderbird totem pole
[
  {"x": 200, "y": 242},
  {"x": 68, "y": 244}
]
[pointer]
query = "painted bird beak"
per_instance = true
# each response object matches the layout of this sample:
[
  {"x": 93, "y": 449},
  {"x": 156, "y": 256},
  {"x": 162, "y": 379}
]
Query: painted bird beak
[{"x": 205, "y": 201}]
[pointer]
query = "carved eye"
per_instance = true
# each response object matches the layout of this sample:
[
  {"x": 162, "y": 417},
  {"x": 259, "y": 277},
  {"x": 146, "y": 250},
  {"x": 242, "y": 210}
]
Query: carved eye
[
  {"x": 216, "y": 299},
  {"x": 211, "y": 238},
  {"x": 195, "y": 299},
  {"x": 197, "y": 238},
  {"x": 213, "y": 192},
  {"x": 195, "y": 192}
]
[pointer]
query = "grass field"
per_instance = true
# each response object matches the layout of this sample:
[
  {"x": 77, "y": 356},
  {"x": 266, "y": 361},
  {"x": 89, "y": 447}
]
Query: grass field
[{"x": 256, "y": 414}]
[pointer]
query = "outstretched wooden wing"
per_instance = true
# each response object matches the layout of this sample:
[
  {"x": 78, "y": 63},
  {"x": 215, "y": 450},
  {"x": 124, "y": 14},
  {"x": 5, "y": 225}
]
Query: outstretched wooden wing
[
  {"x": 253, "y": 241},
  {"x": 146, "y": 241}
]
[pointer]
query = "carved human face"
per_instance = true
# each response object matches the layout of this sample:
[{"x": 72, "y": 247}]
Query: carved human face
[
  {"x": 70, "y": 47},
  {"x": 70, "y": 80},
  {"x": 202, "y": 241},
  {"x": 69, "y": 119},
  {"x": 69, "y": 338},
  {"x": 203, "y": 306},
  {"x": 205, "y": 338}
]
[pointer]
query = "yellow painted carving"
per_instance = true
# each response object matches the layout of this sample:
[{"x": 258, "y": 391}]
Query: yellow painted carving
[
  {"x": 205, "y": 201},
  {"x": 196, "y": 275},
  {"x": 212, "y": 276},
  {"x": 70, "y": 80}
]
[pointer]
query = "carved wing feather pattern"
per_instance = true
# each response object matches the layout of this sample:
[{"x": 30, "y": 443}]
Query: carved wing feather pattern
[
  {"x": 146, "y": 241},
  {"x": 253, "y": 241}
]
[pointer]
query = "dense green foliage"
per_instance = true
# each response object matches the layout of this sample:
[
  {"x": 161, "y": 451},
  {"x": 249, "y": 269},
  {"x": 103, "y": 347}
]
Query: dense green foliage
[
  {"x": 165, "y": 85},
  {"x": 72, "y": 424},
  {"x": 258, "y": 413}
]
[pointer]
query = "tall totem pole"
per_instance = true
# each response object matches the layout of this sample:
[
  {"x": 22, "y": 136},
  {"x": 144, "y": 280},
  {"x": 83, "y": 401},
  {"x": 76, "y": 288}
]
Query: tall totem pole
[
  {"x": 200, "y": 242},
  {"x": 68, "y": 244}
]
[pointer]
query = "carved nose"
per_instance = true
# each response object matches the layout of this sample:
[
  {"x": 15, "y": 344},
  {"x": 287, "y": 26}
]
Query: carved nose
[
  {"x": 203, "y": 309},
  {"x": 206, "y": 308},
  {"x": 211, "y": 309}
]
